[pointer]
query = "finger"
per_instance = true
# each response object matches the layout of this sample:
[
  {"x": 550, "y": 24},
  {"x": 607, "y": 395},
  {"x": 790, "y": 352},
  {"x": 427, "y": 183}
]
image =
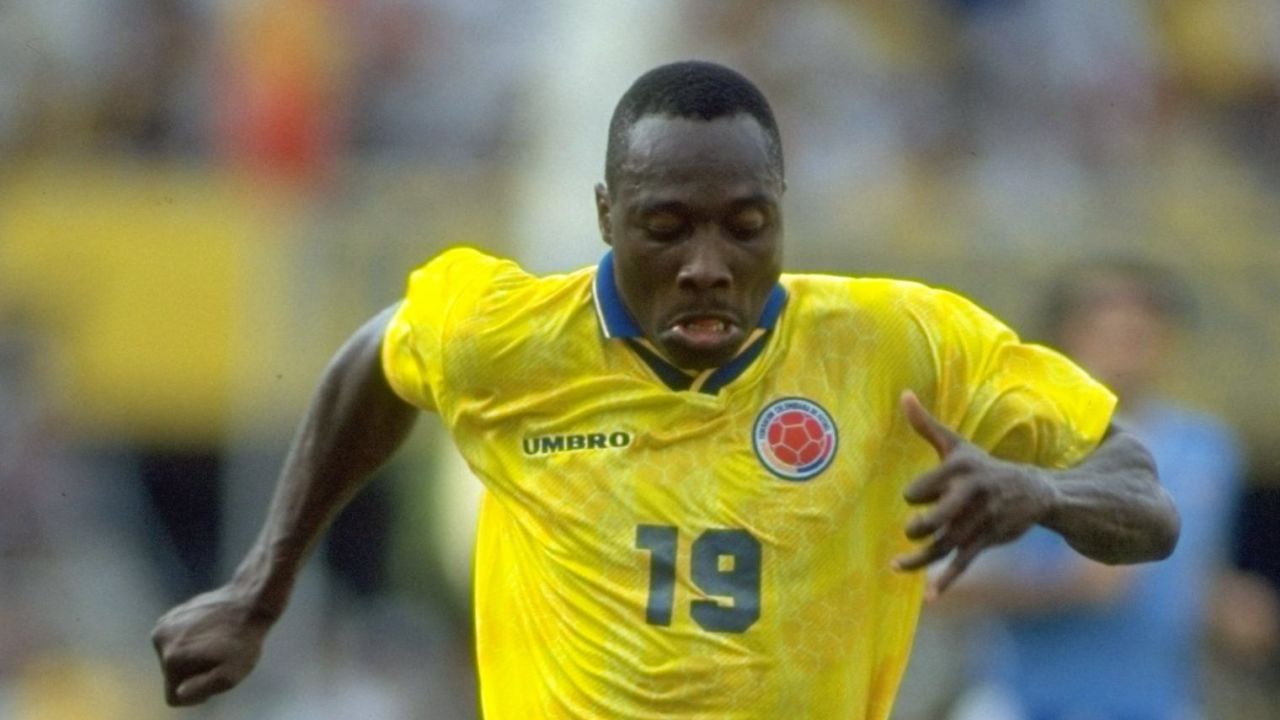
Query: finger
[
  {"x": 171, "y": 683},
  {"x": 957, "y": 566},
  {"x": 924, "y": 557},
  {"x": 930, "y": 486},
  {"x": 185, "y": 663},
  {"x": 942, "y": 438},
  {"x": 960, "y": 532},
  {"x": 966, "y": 531},
  {"x": 196, "y": 690},
  {"x": 940, "y": 515},
  {"x": 178, "y": 667},
  {"x": 158, "y": 640}
]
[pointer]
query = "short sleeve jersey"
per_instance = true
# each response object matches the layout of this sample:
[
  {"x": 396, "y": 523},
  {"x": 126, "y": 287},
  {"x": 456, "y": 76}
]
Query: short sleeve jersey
[{"x": 655, "y": 545}]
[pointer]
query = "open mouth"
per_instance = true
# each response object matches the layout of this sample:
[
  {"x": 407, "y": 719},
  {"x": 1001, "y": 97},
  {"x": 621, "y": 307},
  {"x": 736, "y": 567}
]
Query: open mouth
[{"x": 705, "y": 332}]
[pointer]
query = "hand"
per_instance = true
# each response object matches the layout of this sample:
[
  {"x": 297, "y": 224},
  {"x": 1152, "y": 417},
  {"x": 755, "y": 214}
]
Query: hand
[
  {"x": 207, "y": 645},
  {"x": 978, "y": 501}
]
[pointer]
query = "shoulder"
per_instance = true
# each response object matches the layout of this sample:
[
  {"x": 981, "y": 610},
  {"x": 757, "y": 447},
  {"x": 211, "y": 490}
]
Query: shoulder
[
  {"x": 471, "y": 281},
  {"x": 461, "y": 266},
  {"x": 481, "y": 322},
  {"x": 837, "y": 293},
  {"x": 826, "y": 285},
  {"x": 887, "y": 300}
]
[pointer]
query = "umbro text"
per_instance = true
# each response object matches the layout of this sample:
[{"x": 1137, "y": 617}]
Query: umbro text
[{"x": 550, "y": 444}]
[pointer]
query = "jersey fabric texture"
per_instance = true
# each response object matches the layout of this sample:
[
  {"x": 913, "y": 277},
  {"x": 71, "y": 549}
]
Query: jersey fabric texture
[{"x": 657, "y": 544}]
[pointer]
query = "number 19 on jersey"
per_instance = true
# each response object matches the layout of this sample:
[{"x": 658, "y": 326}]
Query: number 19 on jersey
[{"x": 723, "y": 563}]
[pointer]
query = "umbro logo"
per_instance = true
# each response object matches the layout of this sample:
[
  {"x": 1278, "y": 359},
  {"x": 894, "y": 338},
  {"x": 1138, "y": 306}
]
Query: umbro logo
[{"x": 550, "y": 444}]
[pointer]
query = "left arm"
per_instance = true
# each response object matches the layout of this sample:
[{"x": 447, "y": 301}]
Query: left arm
[{"x": 1110, "y": 507}]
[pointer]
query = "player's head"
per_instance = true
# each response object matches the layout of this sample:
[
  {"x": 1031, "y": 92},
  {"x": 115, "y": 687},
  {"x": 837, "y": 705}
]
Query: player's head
[
  {"x": 1117, "y": 318},
  {"x": 693, "y": 90},
  {"x": 692, "y": 208}
]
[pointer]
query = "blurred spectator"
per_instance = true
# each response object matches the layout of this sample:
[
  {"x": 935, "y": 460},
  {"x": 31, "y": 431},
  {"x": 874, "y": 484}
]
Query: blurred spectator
[
  {"x": 1080, "y": 639},
  {"x": 857, "y": 85},
  {"x": 1222, "y": 60},
  {"x": 146, "y": 104},
  {"x": 18, "y": 70},
  {"x": 182, "y": 529},
  {"x": 1244, "y": 672},
  {"x": 410, "y": 101},
  {"x": 54, "y": 58},
  {"x": 73, "y": 590},
  {"x": 281, "y": 98},
  {"x": 1078, "y": 74}
]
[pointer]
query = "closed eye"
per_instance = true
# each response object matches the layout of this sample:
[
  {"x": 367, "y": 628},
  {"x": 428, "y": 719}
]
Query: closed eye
[
  {"x": 663, "y": 226},
  {"x": 747, "y": 224}
]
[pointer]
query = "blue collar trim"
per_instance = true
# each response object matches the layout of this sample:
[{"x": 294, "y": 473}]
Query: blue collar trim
[{"x": 616, "y": 322}]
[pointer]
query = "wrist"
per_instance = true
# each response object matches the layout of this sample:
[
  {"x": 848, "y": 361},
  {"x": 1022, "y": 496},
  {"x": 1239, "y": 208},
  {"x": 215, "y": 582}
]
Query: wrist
[
  {"x": 261, "y": 588},
  {"x": 1048, "y": 496}
]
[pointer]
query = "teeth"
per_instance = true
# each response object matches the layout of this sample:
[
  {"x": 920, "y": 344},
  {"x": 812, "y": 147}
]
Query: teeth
[{"x": 706, "y": 325}]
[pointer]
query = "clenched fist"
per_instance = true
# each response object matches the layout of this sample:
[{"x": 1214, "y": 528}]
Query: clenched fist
[{"x": 208, "y": 644}]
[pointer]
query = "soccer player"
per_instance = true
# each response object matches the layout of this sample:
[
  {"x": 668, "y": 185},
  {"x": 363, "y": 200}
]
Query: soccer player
[{"x": 710, "y": 485}]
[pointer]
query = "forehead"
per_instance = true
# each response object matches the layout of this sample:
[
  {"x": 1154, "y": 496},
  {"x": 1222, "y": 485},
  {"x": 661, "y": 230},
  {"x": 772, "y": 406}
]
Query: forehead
[{"x": 670, "y": 155}]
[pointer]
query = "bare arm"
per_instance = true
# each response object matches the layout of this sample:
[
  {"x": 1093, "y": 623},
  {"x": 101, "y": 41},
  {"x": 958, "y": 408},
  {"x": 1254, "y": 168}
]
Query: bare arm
[
  {"x": 354, "y": 424},
  {"x": 1110, "y": 508}
]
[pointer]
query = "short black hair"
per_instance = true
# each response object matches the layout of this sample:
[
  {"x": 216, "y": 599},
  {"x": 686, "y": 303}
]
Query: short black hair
[
  {"x": 1074, "y": 291},
  {"x": 688, "y": 89}
]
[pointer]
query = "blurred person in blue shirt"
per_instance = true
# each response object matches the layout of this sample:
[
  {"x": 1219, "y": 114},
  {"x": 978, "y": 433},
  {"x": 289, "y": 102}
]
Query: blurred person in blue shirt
[{"x": 1078, "y": 640}]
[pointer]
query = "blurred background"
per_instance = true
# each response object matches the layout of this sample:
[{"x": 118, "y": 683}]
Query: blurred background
[{"x": 200, "y": 199}]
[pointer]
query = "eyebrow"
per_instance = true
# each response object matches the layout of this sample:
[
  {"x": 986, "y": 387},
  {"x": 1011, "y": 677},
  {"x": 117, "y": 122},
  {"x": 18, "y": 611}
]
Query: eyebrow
[
  {"x": 754, "y": 199},
  {"x": 661, "y": 206},
  {"x": 678, "y": 207}
]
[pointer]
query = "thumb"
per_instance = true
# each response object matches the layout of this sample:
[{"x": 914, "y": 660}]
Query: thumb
[
  {"x": 942, "y": 438},
  {"x": 196, "y": 690}
]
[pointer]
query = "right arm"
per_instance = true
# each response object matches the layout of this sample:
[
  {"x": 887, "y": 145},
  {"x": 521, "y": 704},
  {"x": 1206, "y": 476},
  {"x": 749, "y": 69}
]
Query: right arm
[{"x": 354, "y": 424}]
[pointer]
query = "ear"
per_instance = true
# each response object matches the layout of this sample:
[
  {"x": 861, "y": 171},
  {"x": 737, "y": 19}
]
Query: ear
[{"x": 602, "y": 214}]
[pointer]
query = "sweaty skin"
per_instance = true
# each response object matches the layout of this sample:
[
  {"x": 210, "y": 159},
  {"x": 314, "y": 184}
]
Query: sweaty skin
[
  {"x": 696, "y": 230},
  {"x": 1109, "y": 508},
  {"x": 354, "y": 424}
]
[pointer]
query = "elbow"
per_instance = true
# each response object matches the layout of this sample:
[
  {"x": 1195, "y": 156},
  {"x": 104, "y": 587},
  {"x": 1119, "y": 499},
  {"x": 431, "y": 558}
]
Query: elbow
[
  {"x": 1154, "y": 522},
  {"x": 1152, "y": 540},
  {"x": 1165, "y": 523},
  {"x": 1168, "y": 527}
]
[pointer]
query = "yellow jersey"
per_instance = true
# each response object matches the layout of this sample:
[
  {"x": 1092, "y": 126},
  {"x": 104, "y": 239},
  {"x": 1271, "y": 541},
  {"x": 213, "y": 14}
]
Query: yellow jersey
[{"x": 656, "y": 544}]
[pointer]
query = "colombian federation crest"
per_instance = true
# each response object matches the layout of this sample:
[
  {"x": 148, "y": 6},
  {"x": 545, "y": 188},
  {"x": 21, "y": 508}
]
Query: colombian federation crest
[{"x": 794, "y": 438}]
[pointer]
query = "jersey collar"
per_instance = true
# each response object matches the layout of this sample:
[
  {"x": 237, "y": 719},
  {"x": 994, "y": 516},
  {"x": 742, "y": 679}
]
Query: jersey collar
[{"x": 616, "y": 322}]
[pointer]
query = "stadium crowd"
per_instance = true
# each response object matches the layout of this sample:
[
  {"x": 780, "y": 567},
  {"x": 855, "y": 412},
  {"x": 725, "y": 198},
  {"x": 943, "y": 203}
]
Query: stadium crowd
[{"x": 200, "y": 198}]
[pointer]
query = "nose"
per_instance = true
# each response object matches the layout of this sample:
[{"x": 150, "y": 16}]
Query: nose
[{"x": 704, "y": 265}]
